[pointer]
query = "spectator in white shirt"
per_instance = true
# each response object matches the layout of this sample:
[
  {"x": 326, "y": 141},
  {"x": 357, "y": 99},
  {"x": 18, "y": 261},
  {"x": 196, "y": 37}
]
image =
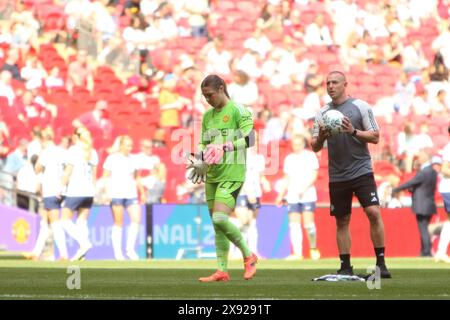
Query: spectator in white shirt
[
  {"x": 54, "y": 80},
  {"x": 413, "y": 57},
  {"x": 33, "y": 73},
  {"x": 440, "y": 106},
  {"x": 259, "y": 43},
  {"x": 6, "y": 89},
  {"x": 242, "y": 90},
  {"x": 217, "y": 57},
  {"x": 317, "y": 33}
]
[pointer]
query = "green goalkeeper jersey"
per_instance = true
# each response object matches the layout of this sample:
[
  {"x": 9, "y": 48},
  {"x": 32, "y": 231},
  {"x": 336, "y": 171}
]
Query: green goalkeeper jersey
[{"x": 232, "y": 123}]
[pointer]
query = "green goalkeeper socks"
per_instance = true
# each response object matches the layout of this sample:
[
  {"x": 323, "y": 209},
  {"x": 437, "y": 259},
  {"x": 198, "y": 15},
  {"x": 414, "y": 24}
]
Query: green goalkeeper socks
[
  {"x": 221, "y": 222},
  {"x": 222, "y": 248}
]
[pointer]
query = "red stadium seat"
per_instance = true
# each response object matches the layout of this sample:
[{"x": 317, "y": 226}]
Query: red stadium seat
[
  {"x": 4, "y": 104},
  {"x": 224, "y": 5}
]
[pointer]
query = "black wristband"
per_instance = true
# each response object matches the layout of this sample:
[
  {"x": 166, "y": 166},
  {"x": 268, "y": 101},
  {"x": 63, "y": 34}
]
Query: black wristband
[{"x": 354, "y": 132}]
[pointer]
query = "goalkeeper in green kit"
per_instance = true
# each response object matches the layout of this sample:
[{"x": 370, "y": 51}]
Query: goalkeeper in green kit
[{"x": 227, "y": 132}]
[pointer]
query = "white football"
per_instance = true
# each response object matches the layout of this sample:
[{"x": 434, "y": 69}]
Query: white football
[{"x": 332, "y": 121}]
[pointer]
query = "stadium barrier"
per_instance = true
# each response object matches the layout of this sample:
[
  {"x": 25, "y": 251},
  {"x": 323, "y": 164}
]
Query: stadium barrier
[
  {"x": 174, "y": 231},
  {"x": 10, "y": 195}
]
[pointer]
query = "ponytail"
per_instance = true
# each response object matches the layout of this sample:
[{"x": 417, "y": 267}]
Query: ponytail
[{"x": 214, "y": 81}]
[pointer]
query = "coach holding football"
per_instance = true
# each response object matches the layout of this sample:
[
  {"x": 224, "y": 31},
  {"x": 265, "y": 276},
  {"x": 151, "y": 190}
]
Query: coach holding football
[{"x": 350, "y": 168}]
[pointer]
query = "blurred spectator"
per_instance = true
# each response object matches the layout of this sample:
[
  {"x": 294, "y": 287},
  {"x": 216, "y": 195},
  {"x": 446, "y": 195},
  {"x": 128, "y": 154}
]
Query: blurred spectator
[
  {"x": 33, "y": 73},
  {"x": 188, "y": 76},
  {"x": 374, "y": 20},
  {"x": 258, "y": 43},
  {"x": 27, "y": 181},
  {"x": 277, "y": 126},
  {"x": 423, "y": 189},
  {"x": 6, "y": 89},
  {"x": 17, "y": 159},
  {"x": 294, "y": 25},
  {"x": 438, "y": 70},
  {"x": 77, "y": 11},
  {"x": 35, "y": 145},
  {"x": 148, "y": 7},
  {"x": 423, "y": 139},
  {"x": 79, "y": 73},
  {"x": 387, "y": 154},
  {"x": 24, "y": 27},
  {"x": 249, "y": 63},
  {"x": 413, "y": 57},
  {"x": 11, "y": 64},
  {"x": 392, "y": 50},
  {"x": 270, "y": 18},
  {"x": 217, "y": 57},
  {"x": 54, "y": 79},
  {"x": 159, "y": 138},
  {"x": 441, "y": 45},
  {"x": 145, "y": 159},
  {"x": 406, "y": 148},
  {"x": 198, "y": 13},
  {"x": 96, "y": 120},
  {"x": 105, "y": 24},
  {"x": 440, "y": 106},
  {"x": 170, "y": 102},
  {"x": 166, "y": 22},
  {"x": 279, "y": 68},
  {"x": 344, "y": 14},
  {"x": 29, "y": 111},
  {"x": 387, "y": 200},
  {"x": 4, "y": 144},
  {"x": 404, "y": 94},
  {"x": 6, "y": 10},
  {"x": 135, "y": 36},
  {"x": 317, "y": 33},
  {"x": 311, "y": 104},
  {"x": 5, "y": 37},
  {"x": 132, "y": 7},
  {"x": 313, "y": 79},
  {"x": 393, "y": 25},
  {"x": 242, "y": 90},
  {"x": 355, "y": 51},
  {"x": 155, "y": 184},
  {"x": 189, "y": 192},
  {"x": 114, "y": 52},
  {"x": 420, "y": 105}
]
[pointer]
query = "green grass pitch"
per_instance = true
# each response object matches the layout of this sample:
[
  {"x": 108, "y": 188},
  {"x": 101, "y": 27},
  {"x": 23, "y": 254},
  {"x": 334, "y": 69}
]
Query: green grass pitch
[{"x": 413, "y": 278}]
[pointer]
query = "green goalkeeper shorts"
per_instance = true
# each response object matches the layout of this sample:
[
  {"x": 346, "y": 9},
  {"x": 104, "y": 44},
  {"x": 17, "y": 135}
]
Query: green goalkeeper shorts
[{"x": 224, "y": 192}]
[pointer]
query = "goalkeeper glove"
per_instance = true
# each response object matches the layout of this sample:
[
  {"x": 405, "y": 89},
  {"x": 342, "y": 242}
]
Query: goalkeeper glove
[
  {"x": 198, "y": 168},
  {"x": 214, "y": 152}
]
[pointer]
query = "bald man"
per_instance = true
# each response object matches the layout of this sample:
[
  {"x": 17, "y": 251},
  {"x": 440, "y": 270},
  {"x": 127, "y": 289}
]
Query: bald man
[{"x": 350, "y": 168}]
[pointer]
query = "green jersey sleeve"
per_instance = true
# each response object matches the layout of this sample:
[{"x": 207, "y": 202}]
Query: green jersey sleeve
[{"x": 246, "y": 137}]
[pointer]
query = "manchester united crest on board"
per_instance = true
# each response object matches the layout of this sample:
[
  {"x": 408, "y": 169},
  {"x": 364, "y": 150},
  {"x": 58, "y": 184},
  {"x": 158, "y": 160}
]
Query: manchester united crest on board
[{"x": 21, "y": 230}]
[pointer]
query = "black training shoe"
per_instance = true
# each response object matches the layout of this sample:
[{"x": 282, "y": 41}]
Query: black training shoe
[
  {"x": 346, "y": 271},
  {"x": 384, "y": 272}
]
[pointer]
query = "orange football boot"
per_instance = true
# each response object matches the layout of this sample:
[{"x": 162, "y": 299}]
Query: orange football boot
[
  {"x": 250, "y": 266},
  {"x": 216, "y": 276}
]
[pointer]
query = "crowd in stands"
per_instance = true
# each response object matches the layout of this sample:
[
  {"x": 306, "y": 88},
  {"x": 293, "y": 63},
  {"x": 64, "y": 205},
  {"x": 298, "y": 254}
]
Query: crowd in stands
[{"x": 134, "y": 67}]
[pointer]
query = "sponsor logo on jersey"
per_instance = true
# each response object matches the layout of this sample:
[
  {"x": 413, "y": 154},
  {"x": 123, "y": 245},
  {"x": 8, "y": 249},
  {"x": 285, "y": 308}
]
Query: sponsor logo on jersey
[
  {"x": 374, "y": 199},
  {"x": 226, "y": 118}
]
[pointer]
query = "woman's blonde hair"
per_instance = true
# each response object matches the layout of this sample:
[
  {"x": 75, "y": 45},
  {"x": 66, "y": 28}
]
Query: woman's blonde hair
[{"x": 118, "y": 142}]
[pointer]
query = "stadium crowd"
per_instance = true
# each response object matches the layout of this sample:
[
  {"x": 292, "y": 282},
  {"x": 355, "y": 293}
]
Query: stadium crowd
[{"x": 134, "y": 67}]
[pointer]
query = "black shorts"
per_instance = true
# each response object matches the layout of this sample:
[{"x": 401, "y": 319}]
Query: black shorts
[{"x": 341, "y": 194}]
